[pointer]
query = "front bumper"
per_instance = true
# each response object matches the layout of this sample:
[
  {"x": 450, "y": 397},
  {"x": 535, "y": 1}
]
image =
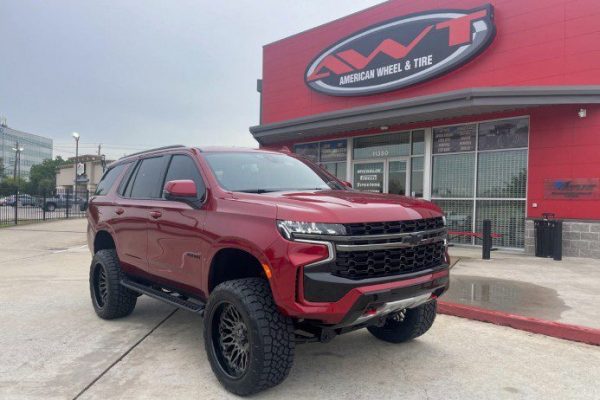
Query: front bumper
[
  {"x": 362, "y": 297},
  {"x": 339, "y": 281}
]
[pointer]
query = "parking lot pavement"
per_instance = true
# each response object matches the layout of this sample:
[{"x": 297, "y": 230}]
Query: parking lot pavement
[{"x": 52, "y": 346}]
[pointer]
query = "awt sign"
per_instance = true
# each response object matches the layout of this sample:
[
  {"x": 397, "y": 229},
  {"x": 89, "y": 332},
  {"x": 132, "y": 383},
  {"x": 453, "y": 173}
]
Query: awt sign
[{"x": 401, "y": 52}]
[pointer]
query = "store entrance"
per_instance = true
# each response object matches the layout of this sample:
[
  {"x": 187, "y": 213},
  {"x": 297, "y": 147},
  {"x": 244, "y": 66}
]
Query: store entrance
[{"x": 382, "y": 176}]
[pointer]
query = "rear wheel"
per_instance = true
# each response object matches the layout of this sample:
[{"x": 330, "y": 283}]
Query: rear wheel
[
  {"x": 110, "y": 299},
  {"x": 50, "y": 207},
  {"x": 402, "y": 327},
  {"x": 249, "y": 343}
]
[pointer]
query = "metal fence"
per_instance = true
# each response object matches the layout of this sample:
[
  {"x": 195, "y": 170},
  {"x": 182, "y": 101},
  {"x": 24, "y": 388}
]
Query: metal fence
[{"x": 21, "y": 208}]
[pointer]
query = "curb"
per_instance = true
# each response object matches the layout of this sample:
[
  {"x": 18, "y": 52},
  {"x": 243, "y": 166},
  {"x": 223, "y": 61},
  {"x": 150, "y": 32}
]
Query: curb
[{"x": 549, "y": 328}]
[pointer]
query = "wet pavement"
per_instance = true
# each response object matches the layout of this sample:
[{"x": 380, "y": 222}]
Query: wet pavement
[
  {"x": 567, "y": 291},
  {"x": 513, "y": 297}
]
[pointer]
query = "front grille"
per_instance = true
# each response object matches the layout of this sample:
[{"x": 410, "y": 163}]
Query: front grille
[
  {"x": 380, "y": 263},
  {"x": 380, "y": 228}
]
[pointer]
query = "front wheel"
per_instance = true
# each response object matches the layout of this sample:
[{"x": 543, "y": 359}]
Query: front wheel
[
  {"x": 402, "y": 327},
  {"x": 250, "y": 344}
]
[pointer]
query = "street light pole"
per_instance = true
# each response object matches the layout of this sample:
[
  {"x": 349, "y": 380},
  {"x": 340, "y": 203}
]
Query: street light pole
[
  {"x": 18, "y": 150},
  {"x": 76, "y": 137}
]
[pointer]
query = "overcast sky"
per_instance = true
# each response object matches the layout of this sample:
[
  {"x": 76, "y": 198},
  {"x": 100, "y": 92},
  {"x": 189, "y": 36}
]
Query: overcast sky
[{"x": 138, "y": 73}]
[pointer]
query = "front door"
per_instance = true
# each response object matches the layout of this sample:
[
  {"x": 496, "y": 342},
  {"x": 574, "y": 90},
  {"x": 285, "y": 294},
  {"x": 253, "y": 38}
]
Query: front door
[
  {"x": 177, "y": 241},
  {"x": 382, "y": 176}
]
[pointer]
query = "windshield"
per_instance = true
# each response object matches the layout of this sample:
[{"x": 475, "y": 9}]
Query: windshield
[{"x": 268, "y": 172}]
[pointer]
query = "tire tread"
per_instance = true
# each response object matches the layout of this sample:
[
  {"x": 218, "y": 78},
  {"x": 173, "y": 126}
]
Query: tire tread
[{"x": 121, "y": 300}]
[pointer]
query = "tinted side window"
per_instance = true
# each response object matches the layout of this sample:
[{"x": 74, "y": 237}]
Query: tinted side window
[
  {"x": 149, "y": 178},
  {"x": 108, "y": 180},
  {"x": 183, "y": 167}
]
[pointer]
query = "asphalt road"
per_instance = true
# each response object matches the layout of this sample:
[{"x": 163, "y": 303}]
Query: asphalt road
[{"x": 52, "y": 346}]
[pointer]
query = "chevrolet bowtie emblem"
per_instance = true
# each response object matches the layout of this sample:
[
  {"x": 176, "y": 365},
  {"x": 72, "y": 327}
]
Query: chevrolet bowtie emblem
[{"x": 413, "y": 239}]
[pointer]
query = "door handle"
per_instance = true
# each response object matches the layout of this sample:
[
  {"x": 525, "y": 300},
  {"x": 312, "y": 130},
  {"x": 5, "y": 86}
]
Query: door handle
[
  {"x": 119, "y": 211},
  {"x": 155, "y": 214}
]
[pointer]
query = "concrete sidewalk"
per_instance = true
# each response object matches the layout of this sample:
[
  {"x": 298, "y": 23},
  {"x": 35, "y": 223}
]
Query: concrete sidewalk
[
  {"x": 566, "y": 291},
  {"x": 52, "y": 345}
]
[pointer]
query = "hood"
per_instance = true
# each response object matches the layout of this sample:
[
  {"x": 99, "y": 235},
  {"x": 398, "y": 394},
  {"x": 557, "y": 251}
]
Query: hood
[{"x": 344, "y": 206}]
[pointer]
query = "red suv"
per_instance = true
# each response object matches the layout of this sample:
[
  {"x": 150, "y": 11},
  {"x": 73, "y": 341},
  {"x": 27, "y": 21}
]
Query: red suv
[{"x": 271, "y": 249}]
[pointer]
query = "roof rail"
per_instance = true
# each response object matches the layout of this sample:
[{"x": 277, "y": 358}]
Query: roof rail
[{"x": 175, "y": 146}]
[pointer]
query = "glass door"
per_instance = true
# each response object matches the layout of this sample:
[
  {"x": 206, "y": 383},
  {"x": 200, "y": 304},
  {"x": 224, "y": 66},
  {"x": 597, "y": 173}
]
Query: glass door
[
  {"x": 369, "y": 176},
  {"x": 397, "y": 177}
]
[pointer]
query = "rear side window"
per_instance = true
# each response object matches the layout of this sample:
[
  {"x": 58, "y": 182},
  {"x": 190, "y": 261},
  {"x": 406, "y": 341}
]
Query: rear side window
[
  {"x": 183, "y": 167},
  {"x": 108, "y": 180},
  {"x": 147, "y": 183}
]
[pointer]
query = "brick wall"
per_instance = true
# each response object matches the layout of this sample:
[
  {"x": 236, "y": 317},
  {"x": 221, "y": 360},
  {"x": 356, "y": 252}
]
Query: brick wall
[{"x": 580, "y": 239}]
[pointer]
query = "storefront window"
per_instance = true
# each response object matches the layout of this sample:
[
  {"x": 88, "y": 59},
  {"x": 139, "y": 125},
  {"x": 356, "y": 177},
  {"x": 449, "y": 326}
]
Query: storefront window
[
  {"x": 459, "y": 217},
  {"x": 507, "y": 218},
  {"x": 416, "y": 177},
  {"x": 453, "y": 175},
  {"x": 330, "y": 155},
  {"x": 308, "y": 150},
  {"x": 336, "y": 169},
  {"x": 382, "y": 146},
  {"x": 505, "y": 134},
  {"x": 502, "y": 174},
  {"x": 333, "y": 150},
  {"x": 369, "y": 176},
  {"x": 454, "y": 139},
  {"x": 418, "y": 142},
  {"x": 480, "y": 172}
]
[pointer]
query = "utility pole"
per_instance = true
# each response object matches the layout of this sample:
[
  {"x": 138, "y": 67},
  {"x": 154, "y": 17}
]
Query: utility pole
[
  {"x": 100, "y": 149},
  {"x": 76, "y": 137}
]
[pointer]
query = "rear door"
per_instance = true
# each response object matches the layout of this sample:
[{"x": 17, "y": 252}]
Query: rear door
[
  {"x": 132, "y": 210},
  {"x": 177, "y": 242}
]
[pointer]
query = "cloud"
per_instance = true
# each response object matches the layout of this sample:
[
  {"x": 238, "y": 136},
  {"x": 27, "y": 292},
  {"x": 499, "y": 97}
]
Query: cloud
[{"x": 136, "y": 74}]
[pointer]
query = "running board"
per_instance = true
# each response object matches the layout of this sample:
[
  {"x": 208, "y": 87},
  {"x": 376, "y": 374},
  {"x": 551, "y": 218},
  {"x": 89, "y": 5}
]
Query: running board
[{"x": 164, "y": 296}]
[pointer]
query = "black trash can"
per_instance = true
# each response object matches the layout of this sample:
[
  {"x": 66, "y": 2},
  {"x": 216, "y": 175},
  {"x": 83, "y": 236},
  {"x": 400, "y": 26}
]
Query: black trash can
[{"x": 548, "y": 237}]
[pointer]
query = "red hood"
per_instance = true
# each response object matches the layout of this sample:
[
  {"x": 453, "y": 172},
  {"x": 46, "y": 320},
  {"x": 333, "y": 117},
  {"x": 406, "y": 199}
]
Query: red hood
[{"x": 343, "y": 206}]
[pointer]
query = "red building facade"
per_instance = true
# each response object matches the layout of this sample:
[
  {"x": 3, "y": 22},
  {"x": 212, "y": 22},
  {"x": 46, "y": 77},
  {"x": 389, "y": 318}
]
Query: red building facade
[{"x": 492, "y": 110}]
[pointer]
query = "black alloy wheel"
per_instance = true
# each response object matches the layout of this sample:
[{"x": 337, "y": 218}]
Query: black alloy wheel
[
  {"x": 100, "y": 285},
  {"x": 109, "y": 298}
]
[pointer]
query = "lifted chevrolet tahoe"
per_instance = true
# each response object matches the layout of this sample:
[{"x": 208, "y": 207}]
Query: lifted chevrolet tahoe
[{"x": 271, "y": 249}]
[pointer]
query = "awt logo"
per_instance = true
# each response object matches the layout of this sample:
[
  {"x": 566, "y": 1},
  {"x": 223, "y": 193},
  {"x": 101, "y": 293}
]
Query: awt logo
[{"x": 401, "y": 52}]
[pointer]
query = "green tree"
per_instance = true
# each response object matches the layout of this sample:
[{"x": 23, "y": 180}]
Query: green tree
[
  {"x": 9, "y": 185},
  {"x": 42, "y": 177},
  {"x": 1, "y": 168}
]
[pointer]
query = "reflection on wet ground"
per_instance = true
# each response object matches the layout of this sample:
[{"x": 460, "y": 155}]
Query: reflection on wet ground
[{"x": 513, "y": 297}]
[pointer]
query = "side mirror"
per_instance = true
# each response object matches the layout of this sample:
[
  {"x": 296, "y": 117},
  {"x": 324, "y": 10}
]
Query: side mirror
[
  {"x": 184, "y": 190},
  {"x": 347, "y": 184}
]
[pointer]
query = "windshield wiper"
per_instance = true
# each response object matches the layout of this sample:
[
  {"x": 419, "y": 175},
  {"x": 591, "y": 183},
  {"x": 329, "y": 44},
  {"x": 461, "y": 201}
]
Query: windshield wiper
[{"x": 259, "y": 191}]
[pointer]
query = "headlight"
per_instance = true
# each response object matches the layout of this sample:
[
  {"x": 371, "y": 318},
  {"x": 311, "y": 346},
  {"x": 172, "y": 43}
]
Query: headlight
[{"x": 288, "y": 228}]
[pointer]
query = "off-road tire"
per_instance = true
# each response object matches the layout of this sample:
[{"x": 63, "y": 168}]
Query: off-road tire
[
  {"x": 119, "y": 301},
  {"x": 270, "y": 336},
  {"x": 416, "y": 322}
]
